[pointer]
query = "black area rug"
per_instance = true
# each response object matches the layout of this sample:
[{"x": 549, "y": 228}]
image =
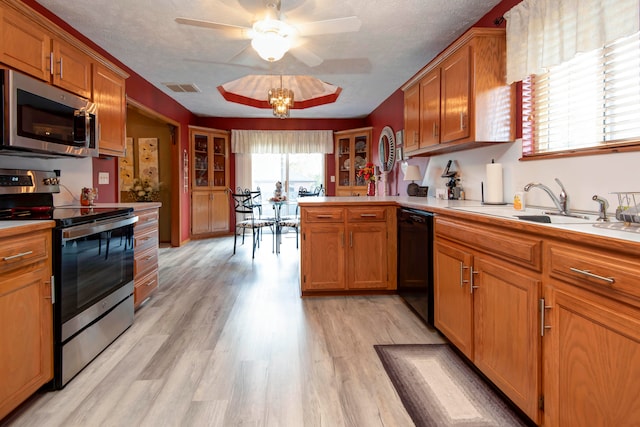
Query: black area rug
[{"x": 438, "y": 389}]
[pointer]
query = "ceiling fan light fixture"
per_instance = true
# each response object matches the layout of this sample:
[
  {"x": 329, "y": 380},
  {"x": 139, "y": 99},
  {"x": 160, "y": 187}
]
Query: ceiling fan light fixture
[
  {"x": 281, "y": 101},
  {"x": 271, "y": 39}
]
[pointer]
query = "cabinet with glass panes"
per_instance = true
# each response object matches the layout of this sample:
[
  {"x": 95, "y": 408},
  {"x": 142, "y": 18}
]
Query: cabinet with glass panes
[
  {"x": 352, "y": 152},
  {"x": 209, "y": 181}
]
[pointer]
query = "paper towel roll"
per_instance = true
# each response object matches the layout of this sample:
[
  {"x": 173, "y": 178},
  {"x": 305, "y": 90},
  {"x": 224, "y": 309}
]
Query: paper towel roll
[{"x": 494, "y": 183}]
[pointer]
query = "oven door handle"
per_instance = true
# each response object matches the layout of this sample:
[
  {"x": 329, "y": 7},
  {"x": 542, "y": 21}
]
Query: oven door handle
[{"x": 84, "y": 230}]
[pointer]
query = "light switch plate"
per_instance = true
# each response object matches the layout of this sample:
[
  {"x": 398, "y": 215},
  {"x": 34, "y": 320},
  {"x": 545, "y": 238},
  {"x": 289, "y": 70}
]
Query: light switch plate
[{"x": 103, "y": 178}]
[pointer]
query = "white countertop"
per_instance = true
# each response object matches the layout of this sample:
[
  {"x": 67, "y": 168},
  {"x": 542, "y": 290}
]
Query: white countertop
[{"x": 428, "y": 203}]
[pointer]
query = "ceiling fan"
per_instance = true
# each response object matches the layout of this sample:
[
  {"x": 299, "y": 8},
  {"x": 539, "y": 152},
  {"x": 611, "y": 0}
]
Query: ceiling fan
[{"x": 272, "y": 37}]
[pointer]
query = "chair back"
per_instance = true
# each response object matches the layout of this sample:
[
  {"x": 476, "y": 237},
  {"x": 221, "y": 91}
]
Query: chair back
[
  {"x": 314, "y": 192},
  {"x": 242, "y": 203}
]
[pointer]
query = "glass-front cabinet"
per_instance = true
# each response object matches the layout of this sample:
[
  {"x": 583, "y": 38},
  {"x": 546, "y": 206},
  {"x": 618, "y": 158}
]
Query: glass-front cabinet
[
  {"x": 352, "y": 152},
  {"x": 209, "y": 181}
]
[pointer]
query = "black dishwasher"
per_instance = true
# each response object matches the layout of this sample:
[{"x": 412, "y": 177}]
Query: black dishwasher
[{"x": 415, "y": 261}]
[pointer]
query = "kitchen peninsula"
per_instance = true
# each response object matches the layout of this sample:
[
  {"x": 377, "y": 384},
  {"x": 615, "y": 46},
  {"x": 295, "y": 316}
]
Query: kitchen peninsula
[{"x": 543, "y": 310}]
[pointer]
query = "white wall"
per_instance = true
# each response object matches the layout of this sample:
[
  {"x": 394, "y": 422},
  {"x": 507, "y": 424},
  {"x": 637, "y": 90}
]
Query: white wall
[
  {"x": 75, "y": 173},
  {"x": 582, "y": 176}
]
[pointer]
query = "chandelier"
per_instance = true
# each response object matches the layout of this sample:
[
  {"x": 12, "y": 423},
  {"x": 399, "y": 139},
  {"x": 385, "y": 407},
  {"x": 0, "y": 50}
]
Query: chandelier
[
  {"x": 271, "y": 39},
  {"x": 281, "y": 100}
]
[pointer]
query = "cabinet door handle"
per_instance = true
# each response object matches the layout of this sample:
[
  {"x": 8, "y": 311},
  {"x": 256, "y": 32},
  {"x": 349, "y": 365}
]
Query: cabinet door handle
[
  {"x": 351, "y": 239},
  {"x": 609, "y": 280},
  {"x": 61, "y": 76},
  {"x": 461, "y": 120},
  {"x": 462, "y": 281},
  {"x": 51, "y": 71},
  {"x": 543, "y": 307},
  {"x": 20, "y": 255},
  {"x": 52, "y": 295},
  {"x": 472, "y": 287},
  {"x": 435, "y": 130}
]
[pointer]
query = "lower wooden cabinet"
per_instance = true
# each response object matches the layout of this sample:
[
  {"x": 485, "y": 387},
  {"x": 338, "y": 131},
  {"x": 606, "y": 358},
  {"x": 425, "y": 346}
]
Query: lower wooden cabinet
[
  {"x": 591, "y": 337},
  {"x": 26, "y": 319},
  {"x": 487, "y": 307},
  {"x": 145, "y": 263},
  {"x": 209, "y": 212},
  {"x": 348, "y": 248}
]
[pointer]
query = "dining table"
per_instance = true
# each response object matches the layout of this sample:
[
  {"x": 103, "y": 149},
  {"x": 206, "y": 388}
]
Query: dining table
[{"x": 277, "y": 204}]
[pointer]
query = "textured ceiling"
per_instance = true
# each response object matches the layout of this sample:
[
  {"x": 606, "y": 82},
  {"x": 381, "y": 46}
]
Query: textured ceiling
[{"x": 395, "y": 40}]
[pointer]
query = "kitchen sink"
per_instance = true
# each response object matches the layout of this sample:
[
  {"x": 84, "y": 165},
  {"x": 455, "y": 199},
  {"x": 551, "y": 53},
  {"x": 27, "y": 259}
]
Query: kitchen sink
[{"x": 529, "y": 214}]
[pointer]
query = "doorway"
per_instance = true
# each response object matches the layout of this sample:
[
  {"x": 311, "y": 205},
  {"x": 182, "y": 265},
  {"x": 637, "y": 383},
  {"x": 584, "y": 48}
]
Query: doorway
[{"x": 144, "y": 128}]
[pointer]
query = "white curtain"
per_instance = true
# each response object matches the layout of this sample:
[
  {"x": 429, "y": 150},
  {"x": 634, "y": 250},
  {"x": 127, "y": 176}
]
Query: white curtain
[
  {"x": 280, "y": 142},
  {"x": 544, "y": 33}
]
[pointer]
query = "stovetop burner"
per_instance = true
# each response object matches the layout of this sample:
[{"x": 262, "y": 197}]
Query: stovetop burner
[{"x": 28, "y": 195}]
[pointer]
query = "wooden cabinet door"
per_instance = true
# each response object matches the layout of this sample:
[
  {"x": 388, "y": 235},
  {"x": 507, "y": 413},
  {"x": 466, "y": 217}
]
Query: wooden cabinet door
[
  {"x": 72, "y": 69},
  {"x": 323, "y": 257},
  {"x": 456, "y": 88},
  {"x": 592, "y": 360},
  {"x": 353, "y": 150},
  {"x": 24, "y": 45},
  {"x": 412, "y": 118},
  {"x": 367, "y": 256},
  {"x": 506, "y": 331},
  {"x": 453, "y": 302},
  {"x": 220, "y": 209},
  {"x": 109, "y": 94},
  {"x": 26, "y": 334},
  {"x": 200, "y": 212},
  {"x": 430, "y": 109}
]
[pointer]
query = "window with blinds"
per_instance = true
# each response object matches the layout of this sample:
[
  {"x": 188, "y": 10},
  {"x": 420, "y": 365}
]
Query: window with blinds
[{"x": 592, "y": 101}]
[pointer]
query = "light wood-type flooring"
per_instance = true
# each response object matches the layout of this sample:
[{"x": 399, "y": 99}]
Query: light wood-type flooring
[{"x": 227, "y": 341}]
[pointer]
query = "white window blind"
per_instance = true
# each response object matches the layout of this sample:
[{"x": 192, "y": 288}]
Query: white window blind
[{"x": 590, "y": 101}]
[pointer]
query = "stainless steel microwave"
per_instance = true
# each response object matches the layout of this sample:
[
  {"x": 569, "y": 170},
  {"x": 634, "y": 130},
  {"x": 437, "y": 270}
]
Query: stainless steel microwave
[{"x": 42, "y": 120}]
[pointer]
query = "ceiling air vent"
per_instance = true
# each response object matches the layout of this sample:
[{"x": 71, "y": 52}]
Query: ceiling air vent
[{"x": 182, "y": 87}]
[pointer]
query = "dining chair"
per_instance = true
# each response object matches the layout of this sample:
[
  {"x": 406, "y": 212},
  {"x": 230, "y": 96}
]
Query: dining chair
[{"x": 244, "y": 205}]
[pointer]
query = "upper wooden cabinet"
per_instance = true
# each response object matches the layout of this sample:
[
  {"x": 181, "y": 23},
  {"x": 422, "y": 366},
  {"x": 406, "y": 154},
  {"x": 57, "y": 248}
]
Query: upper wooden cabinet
[
  {"x": 462, "y": 97},
  {"x": 35, "y": 46},
  {"x": 109, "y": 95},
  {"x": 32, "y": 49},
  {"x": 352, "y": 151}
]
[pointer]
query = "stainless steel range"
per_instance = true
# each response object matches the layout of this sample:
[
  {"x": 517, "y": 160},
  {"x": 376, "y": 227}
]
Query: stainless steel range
[{"x": 92, "y": 265}]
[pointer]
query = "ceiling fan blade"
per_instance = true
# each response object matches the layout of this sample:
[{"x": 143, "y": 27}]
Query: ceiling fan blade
[
  {"x": 233, "y": 30},
  {"x": 330, "y": 26},
  {"x": 303, "y": 54}
]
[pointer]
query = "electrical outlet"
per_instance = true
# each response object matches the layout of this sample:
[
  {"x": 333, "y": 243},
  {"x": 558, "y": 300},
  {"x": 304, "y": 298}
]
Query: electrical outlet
[
  {"x": 333, "y": 178},
  {"x": 103, "y": 178}
]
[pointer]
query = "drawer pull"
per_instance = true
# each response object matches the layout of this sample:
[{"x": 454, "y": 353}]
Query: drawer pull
[
  {"x": 148, "y": 257},
  {"x": 368, "y": 215},
  {"x": 150, "y": 283},
  {"x": 9, "y": 258},
  {"x": 609, "y": 280},
  {"x": 324, "y": 216}
]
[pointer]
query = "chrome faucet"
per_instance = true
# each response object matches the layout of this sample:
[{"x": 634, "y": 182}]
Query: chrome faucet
[
  {"x": 561, "y": 202},
  {"x": 603, "y": 204}
]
